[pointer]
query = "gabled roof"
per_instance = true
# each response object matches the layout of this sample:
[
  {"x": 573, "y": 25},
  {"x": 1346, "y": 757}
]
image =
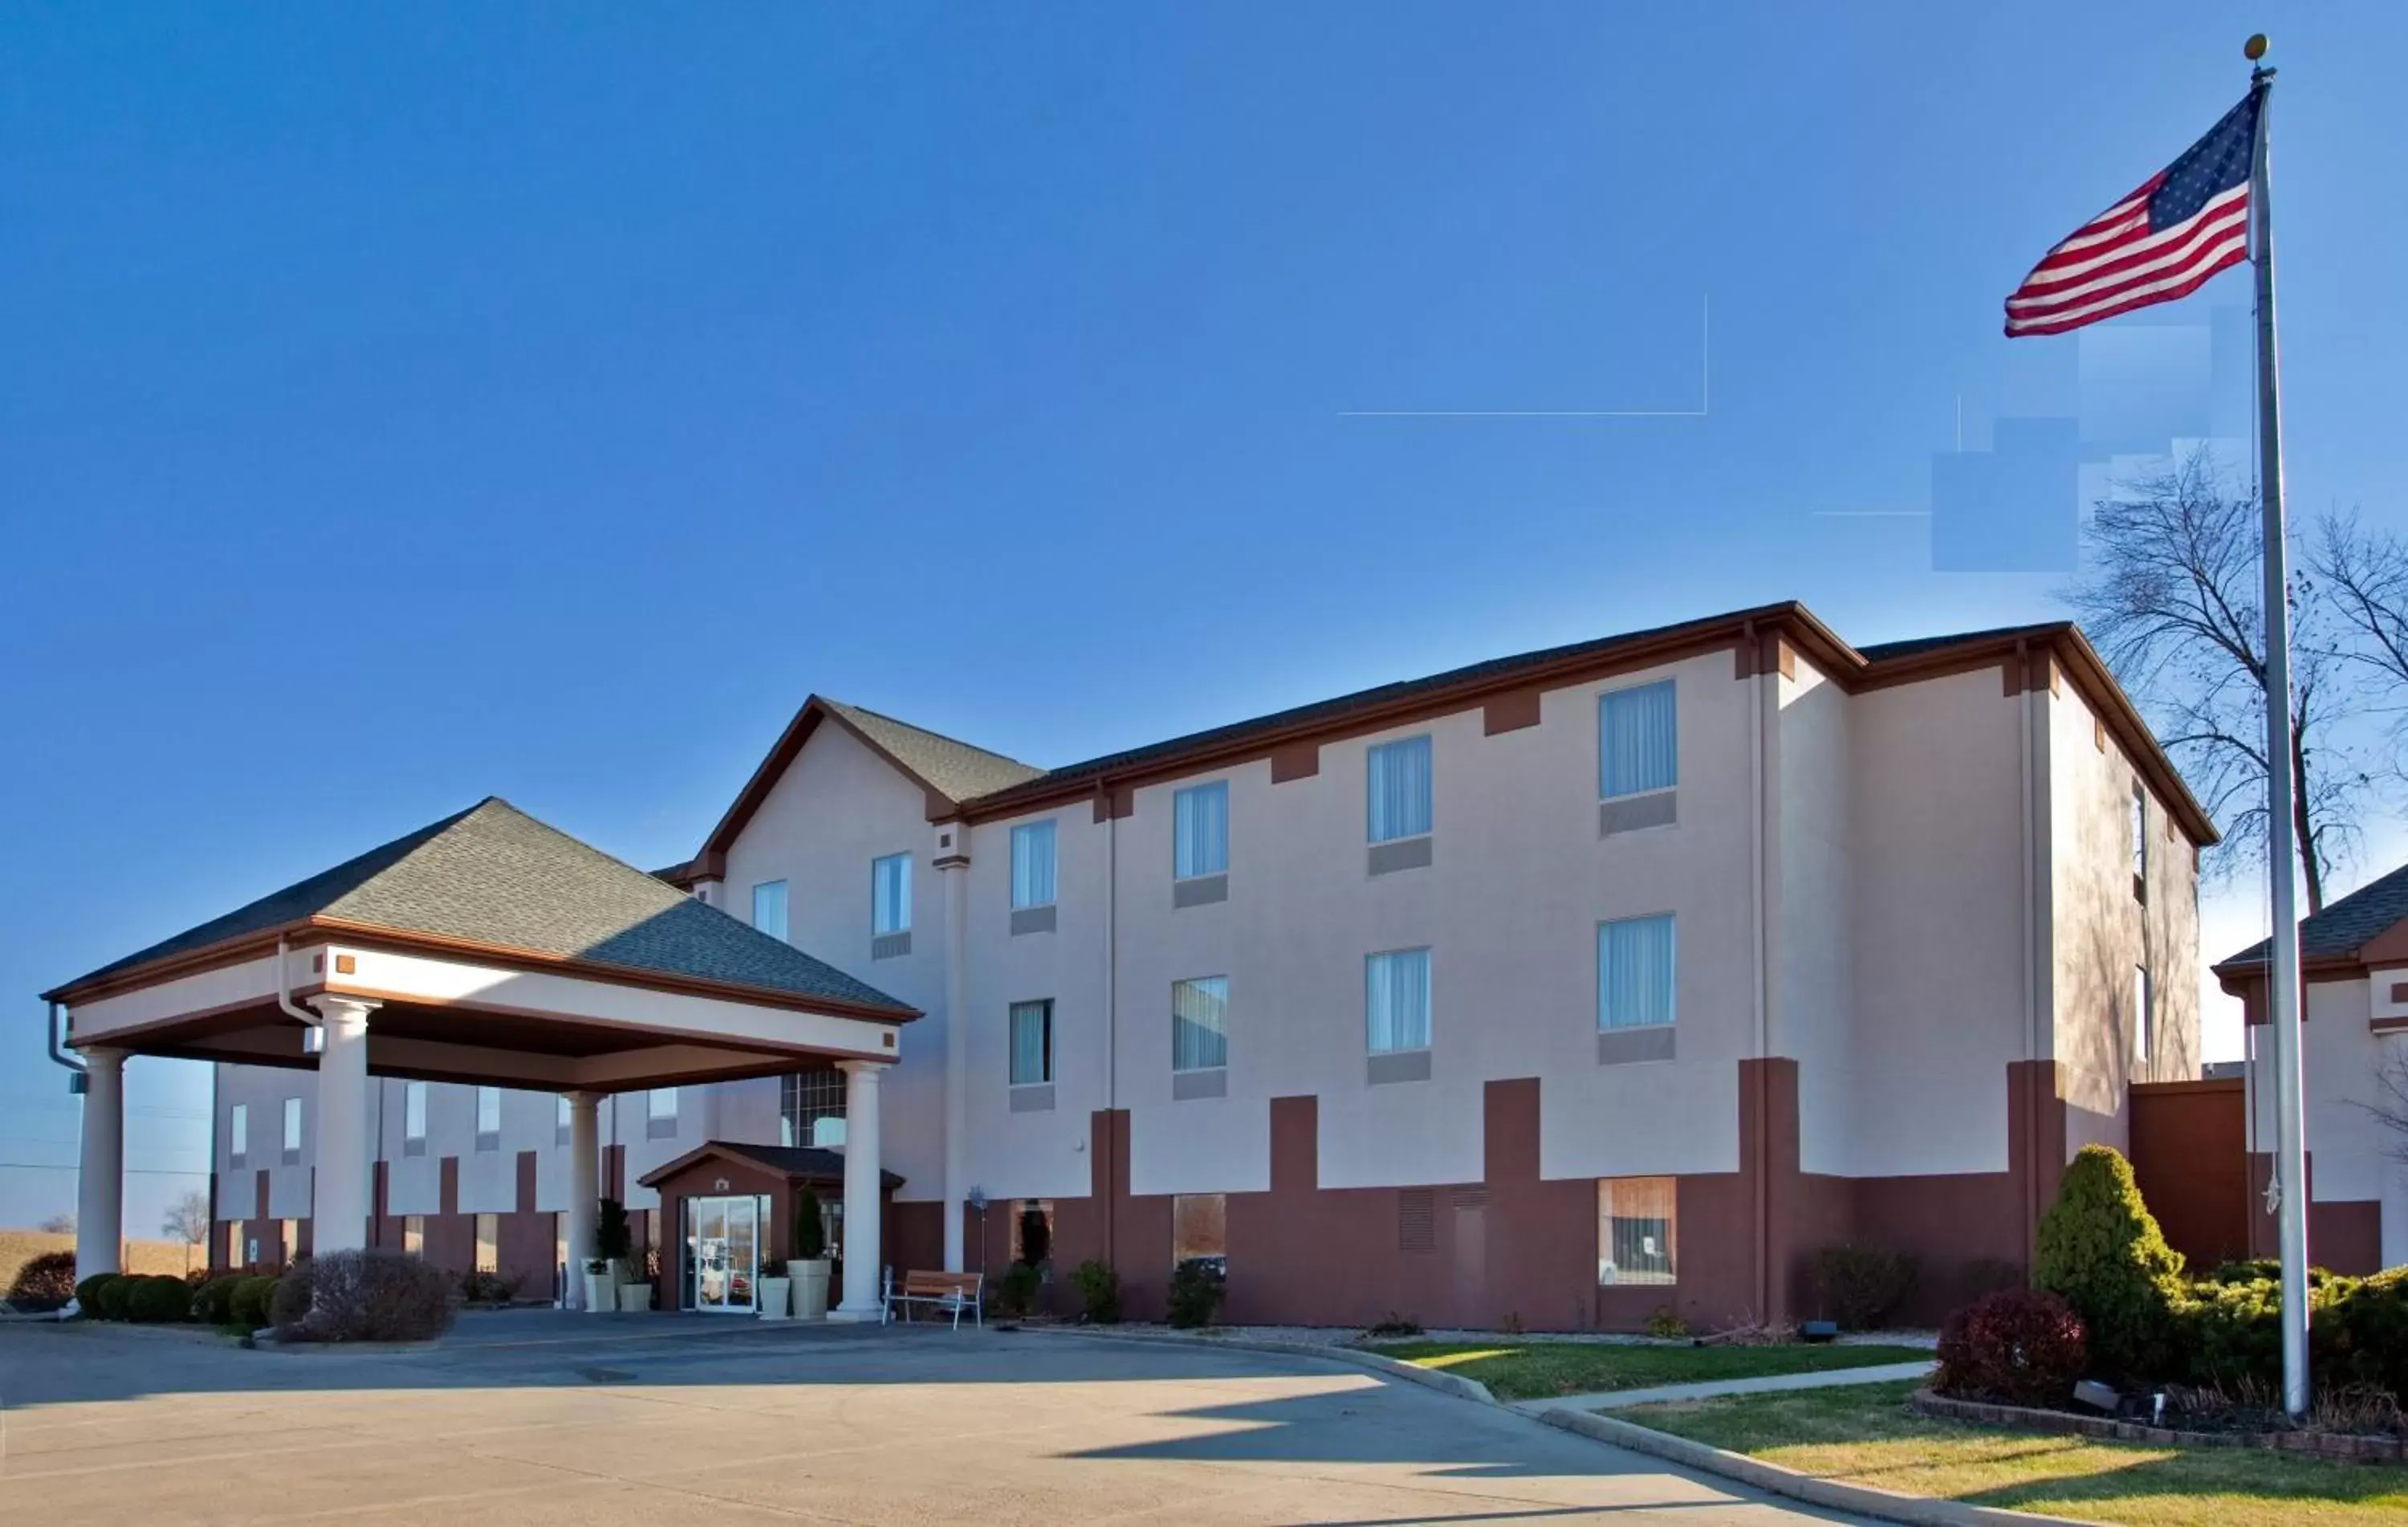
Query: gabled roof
[
  {"x": 494, "y": 877},
  {"x": 802, "y": 1163},
  {"x": 2345, "y": 928},
  {"x": 1002, "y": 787}
]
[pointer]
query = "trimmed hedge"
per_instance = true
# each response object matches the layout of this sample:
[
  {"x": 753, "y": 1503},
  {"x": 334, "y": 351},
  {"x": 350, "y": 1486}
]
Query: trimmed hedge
[
  {"x": 288, "y": 1304},
  {"x": 246, "y": 1305},
  {"x": 213, "y": 1301},
  {"x": 158, "y": 1300},
  {"x": 46, "y": 1282},
  {"x": 117, "y": 1298},
  {"x": 1198, "y": 1286},
  {"x": 2099, "y": 1249}
]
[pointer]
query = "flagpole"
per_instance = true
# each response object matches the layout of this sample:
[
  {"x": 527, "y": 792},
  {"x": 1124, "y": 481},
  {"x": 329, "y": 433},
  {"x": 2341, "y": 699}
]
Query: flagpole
[{"x": 2282, "y": 849}]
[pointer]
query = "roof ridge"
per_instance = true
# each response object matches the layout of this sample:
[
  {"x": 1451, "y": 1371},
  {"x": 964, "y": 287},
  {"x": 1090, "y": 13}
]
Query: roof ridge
[{"x": 849, "y": 709}]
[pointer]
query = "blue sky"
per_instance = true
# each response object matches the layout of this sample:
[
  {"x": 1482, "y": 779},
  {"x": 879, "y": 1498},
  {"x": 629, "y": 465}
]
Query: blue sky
[{"x": 404, "y": 404}]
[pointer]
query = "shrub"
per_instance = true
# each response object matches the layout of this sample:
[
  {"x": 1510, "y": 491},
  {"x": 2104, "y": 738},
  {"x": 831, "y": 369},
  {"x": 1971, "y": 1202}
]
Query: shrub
[
  {"x": 288, "y": 1303},
  {"x": 1861, "y": 1287},
  {"x": 493, "y": 1288},
  {"x": 158, "y": 1301},
  {"x": 1035, "y": 1237},
  {"x": 371, "y": 1295},
  {"x": 810, "y": 1228},
  {"x": 117, "y": 1298},
  {"x": 1198, "y": 1286},
  {"x": 2019, "y": 1347},
  {"x": 1099, "y": 1291},
  {"x": 2099, "y": 1249},
  {"x": 213, "y": 1301},
  {"x": 611, "y": 1238},
  {"x": 252, "y": 1303},
  {"x": 45, "y": 1283},
  {"x": 2371, "y": 1334},
  {"x": 1665, "y": 1323},
  {"x": 1015, "y": 1291},
  {"x": 1394, "y": 1324},
  {"x": 2230, "y": 1333},
  {"x": 87, "y": 1294}
]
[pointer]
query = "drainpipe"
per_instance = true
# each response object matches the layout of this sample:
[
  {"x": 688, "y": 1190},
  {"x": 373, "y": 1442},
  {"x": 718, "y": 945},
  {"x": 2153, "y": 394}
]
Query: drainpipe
[
  {"x": 61, "y": 1055},
  {"x": 1112, "y": 1023},
  {"x": 1763, "y": 1204},
  {"x": 2031, "y": 813}
]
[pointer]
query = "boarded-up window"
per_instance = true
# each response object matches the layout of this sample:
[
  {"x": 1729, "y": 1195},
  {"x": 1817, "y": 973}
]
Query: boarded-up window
[
  {"x": 1418, "y": 1219},
  {"x": 1199, "y": 1227},
  {"x": 1635, "y": 1230}
]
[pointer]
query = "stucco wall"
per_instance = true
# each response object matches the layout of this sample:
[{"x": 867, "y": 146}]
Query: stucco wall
[
  {"x": 2352, "y": 1154},
  {"x": 1814, "y": 869}
]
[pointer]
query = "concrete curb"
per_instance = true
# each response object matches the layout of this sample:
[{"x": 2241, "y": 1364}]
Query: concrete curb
[{"x": 1864, "y": 1500}]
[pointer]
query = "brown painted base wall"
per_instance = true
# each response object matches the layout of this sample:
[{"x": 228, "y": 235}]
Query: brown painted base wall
[
  {"x": 2344, "y": 1235},
  {"x": 1516, "y": 1248},
  {"x": 2190, "y": 1153}
]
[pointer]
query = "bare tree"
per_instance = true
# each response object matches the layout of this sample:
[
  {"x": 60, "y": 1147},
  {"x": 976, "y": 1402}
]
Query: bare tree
[
  {"x": 188, "y": 1220},
  {"x": 2172, "y": 594},
  {"x": 2390, "y": 1109},
  {"x": 2364, "y": 578},
  {"x": 58, "y": 1224}
]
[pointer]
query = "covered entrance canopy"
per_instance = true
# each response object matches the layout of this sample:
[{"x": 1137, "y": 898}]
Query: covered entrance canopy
[{"x": 485, "y": 948}]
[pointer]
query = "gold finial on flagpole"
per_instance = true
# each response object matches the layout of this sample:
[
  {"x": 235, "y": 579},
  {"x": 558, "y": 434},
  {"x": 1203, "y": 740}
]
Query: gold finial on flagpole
[{"x": 2254, "y": 48}]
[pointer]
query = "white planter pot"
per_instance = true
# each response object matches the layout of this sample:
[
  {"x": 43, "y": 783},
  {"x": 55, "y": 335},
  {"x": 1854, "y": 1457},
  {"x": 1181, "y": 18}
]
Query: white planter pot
[
  {"x": 601, "y": 1293},
  {"x": 773, "y": 1298},
  {"x": 810, "y": 1280},
  {"x": 635, "y": 1296}
]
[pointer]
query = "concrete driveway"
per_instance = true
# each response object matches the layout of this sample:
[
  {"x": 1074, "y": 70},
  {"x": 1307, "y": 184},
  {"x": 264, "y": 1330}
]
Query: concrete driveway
[{"x": 541, "y": 1418}]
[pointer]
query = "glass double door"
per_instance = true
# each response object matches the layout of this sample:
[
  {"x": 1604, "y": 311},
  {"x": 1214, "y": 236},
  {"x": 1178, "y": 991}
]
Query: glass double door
[{"x": 723, "y": 1253}]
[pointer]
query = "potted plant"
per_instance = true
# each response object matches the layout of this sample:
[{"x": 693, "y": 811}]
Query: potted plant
[
  {"x": 610, "y": 1240},
  {"x": 810, "y": 1266},
  {"x": 773, "y": 1289},
  {"x": 635, "y": 1283}
]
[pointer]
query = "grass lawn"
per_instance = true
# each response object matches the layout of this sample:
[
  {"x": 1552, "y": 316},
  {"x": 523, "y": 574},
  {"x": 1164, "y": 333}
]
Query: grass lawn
[
  {"x": 1538, "y": 1370},
  {"x": 1864, "y": 1433}
]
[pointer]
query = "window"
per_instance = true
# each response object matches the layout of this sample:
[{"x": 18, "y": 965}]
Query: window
[
  {"x": 1397, "y": 789},
  {"x": 1032, "y": 1043},
  {"x": 489, "y": 1118},
  {"x": 1032, "y": 865},
  {"x": 413, "y": 1118},
  {"x": 769, "y": 908},
  {"x": 1021, "y": 1209},
  {"x": 2142, "y": 1012},
  {"x": 489, "y": 1243},
  {"x": 660, "y": 1113},
  {"x": 292, "y": 1131},
  {"x": 890, "y": 894},
  {"x": 1199, "y": 1229},
  {"x": 234, "y": 1257},
  {"x": 1634, "y": 973},
  {"x": 2140, "y": 841},
  {"x": 1199, "y": 1023},
  {"x": 1397, "y": 1000},
  {"x": 288, "y": 1241},
  {"x": 1199, "y": 833},
  {"x": 1637, "y": 741},
  {"x": 811, "y": 1108},
  {"x": 562, "y": 1125},
  {"x": 238, "y": 1131},
  {"x": 413, "y": 1235},
  {"x": 1635, "y": 1231}
]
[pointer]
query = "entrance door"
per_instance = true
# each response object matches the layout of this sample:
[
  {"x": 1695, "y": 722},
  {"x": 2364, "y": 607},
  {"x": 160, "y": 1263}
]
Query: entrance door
[{"x": 723, "y": 1253}]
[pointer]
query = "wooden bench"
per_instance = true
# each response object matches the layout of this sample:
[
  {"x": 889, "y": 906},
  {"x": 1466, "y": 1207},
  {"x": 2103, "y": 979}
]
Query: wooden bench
[{"x": 946, "y": 1291}]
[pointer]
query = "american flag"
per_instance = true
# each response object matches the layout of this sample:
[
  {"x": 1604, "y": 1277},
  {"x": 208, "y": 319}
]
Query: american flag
[{"x": 2162, "y": 242}]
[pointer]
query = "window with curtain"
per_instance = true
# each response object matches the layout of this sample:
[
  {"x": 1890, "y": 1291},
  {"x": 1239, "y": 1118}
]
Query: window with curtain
[
  {"x": 413, "y": 1110},
  {"x": 1200, "y": 830},
  {"x": 890, "y": 894},
  {"x": 2141, "y": 1013},
  {"x": 1032, "y": 1043},
  {"x": 1634, "y": 973},
  {"x": 560, "y": 1112},
  {"x": 1199, "y": 1023},
  {"x": 238, "y": 1130},
  {"x": 413, "y": 1235},
  {"x": 293, "y": 1127},
  {"x": 1397, "y": 789},
  {"x": 1638, "y": 747},
  {"x": 1397, "y": 1000},
  {"x": 489, "y": 1243},
  {"x": 769, "y": 908},
  {"x": 661, "y": 1103},
  {"x": 1635, "y": 1224},
  {"x": 489, "y": 1110},
  {"x": 1032, "y": 865},
  {"x": 2140, "y": 833}
]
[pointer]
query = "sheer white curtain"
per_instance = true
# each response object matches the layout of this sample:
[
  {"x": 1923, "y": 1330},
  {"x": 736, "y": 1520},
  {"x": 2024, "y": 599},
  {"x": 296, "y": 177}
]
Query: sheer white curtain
[
  {"x": 769, "y": 908},
  {"x": 1397, "y": 1000},
  {"x": 890, "y": 894},
  {"x": 1032, "y": 1043},
  {"x": 1397, "y": 791},
  {"x": 1032, "y": 865},
  {"x": 1638, "y": 740},
  {"x": 1634, "y": 973},
  {"x": 1199, "y": 1023},
  {"x": 1200, "y": 830}
]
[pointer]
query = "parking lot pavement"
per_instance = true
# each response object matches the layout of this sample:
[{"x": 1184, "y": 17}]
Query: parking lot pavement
[{"x": 566, "y": 1420}]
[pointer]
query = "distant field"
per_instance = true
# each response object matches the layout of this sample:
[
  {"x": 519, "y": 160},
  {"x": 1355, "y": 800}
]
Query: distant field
[{"x": 19, "y": 1247}]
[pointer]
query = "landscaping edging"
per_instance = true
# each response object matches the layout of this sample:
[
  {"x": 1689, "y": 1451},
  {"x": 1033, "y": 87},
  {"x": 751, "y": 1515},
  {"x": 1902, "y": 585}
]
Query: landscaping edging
[
  {"x": 1864, "y": 1500},
  {"x": 2323, "y": 1445}
]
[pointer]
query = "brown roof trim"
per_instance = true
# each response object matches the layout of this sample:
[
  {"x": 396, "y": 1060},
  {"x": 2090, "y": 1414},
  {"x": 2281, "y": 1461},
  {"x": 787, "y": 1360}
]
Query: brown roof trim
[
  {"x": 251, "y": 946},
  {"x": 729, "y": 1148}
]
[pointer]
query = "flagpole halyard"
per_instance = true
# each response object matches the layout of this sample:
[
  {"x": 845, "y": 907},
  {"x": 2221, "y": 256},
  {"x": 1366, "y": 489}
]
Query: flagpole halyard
[{"x": 2282, "y": 847}]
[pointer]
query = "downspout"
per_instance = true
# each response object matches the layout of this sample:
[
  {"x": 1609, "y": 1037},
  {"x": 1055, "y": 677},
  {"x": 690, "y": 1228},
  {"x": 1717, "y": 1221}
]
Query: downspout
[
  {"x": 2029, "y": 810},
  {"x": 284, "y": 1000},
  {"x": 61, "y": 1055},
  {"x": 1111, "y": 1026},
  {"x": 1763, "y": 1099}
]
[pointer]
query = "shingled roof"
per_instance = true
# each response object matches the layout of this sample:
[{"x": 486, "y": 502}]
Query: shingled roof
[
  {"x": 2343, "y": 926},
  {"x": 494, "y": 877},
  {"x": 952, "y": 767}
]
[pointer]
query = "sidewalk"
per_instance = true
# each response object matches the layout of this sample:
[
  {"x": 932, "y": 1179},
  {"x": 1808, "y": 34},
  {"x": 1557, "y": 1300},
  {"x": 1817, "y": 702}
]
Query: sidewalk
[{"x": 1618, "y": 1399}]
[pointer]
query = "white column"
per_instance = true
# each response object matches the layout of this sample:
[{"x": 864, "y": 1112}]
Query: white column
[
  {"x": 955, "y": 879},
  {"x": 861, "y": 1252},
  {"x": 339, "y": 1210},
  {"x": 100, "y": 1184},
  {"x": 584, "y": 1189}
]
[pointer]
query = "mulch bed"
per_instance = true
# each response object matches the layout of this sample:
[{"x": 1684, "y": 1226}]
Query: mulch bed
[{"x": 2331, "y": 1444}]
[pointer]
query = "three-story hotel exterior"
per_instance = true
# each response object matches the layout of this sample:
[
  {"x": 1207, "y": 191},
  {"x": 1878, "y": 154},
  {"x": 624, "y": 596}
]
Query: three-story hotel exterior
[{"x": 1569, "y": 989}]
